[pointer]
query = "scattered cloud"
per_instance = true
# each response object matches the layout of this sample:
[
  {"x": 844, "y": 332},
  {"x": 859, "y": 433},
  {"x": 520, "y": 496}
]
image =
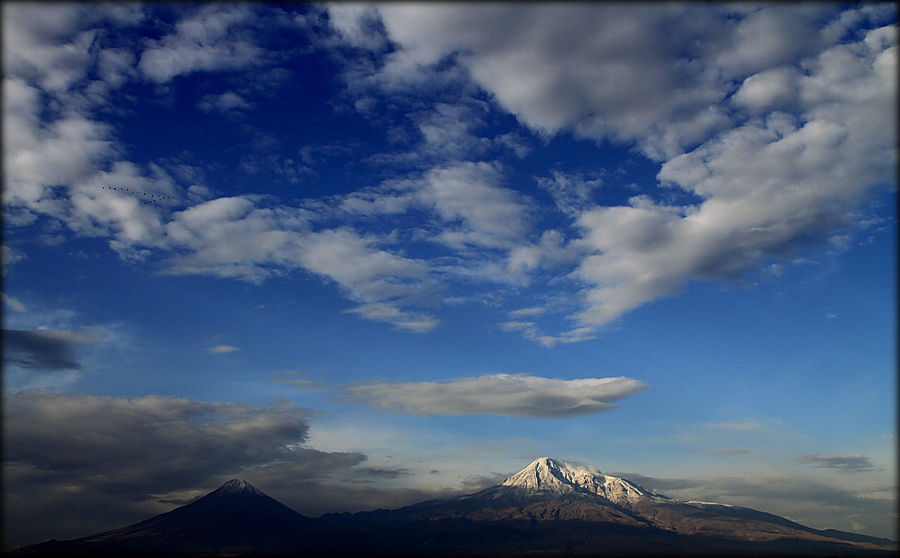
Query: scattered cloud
[
  {"x": 222, "y": 349},
  {"x": 842, "y": 463},
  {"x": 46, "y": 349},
  {"x": 771, "y": 145},
  {"x": 515, "y": 395}
]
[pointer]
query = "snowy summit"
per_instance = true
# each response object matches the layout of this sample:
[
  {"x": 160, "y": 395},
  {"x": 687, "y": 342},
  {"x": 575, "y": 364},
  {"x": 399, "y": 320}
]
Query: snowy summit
[
  {"x": 548, "y": 475},
  {"x": 239, "y": 486}
]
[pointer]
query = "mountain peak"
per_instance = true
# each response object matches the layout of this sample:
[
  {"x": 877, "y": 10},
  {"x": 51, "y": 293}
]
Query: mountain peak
[
  {"x": 547, "y": 475},
  {"x": 239, "y": 486}
]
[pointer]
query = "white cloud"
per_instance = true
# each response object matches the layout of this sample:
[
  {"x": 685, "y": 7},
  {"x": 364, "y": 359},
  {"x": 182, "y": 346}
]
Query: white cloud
[
  {"x": 530, "y": 311},
  {"x": 777, "y": 140},
  {"x": 222, "y": 349},
  {"x": 471, "y": 207},
  {"x": 555, "y": 80},
  {"x": 769, "y": 186},
  {"x": 481, "y": 213},
  {"x": 13, "y": 303},
  {"x": 768, "y": 90},
  {"x": 231, "y": 237},
  {"x": 448, "y": 130},
  {"x": 516, "y": 395},
  {"x": 10, "y": 256},
  {"x": 205, "y": 41},
  {"x": 358, "y": 24},
  {"x": 572, "y": 193},
  {"x": 390, "y": 313}
]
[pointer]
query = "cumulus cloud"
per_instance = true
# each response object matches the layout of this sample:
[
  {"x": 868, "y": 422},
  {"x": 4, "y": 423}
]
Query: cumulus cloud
[
  {"x": 128, "y": 454},
  {"x": 208, "y": 40},
  {"x": 773, "y": 143},
  {"x": 842, "y": 463},
  {"x": 45, "y": 349},
  {"x": 791, "y": 166},
  {"x": 516, "y": 395},
  {"x": 554, "y": 80}
]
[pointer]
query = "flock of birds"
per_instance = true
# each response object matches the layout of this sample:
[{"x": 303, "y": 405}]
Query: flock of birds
[{"x": 149, "y": 197}]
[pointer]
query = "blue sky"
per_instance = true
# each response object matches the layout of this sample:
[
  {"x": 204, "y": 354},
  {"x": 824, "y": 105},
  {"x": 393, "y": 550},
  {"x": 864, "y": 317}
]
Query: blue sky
[{"x": 365, "y": 255}]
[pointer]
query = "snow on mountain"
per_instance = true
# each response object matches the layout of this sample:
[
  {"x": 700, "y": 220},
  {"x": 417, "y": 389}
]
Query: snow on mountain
[
  {"x": 548, "y": 475},
  {"x": 239, "y": 486}
]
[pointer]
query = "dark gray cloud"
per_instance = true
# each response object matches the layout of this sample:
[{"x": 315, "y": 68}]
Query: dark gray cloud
[
  {"x": 45, "y": 349},
  {"x": 384, "y": 472},
  {"x": 96, "y": 462},
  {"x": 842, "y": 463},
  {"x": 515, "y": 395}
]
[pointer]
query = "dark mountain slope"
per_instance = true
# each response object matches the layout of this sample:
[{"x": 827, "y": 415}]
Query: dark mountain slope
[
  {"x": 235, "y": 518},
  {"x": 550, "y": 508}
]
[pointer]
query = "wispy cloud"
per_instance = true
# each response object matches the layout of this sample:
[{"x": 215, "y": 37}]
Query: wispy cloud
[
  {"x": 13, "y": 303},
  {"x": 855, "y": 463},
  {"x": 516, "y": 395},
  {"x": 222, "y": 349},
  {"x": 225, "y": 102},
  {"x": 530, "y": 311},
  {"x": 295, "y": 379}
]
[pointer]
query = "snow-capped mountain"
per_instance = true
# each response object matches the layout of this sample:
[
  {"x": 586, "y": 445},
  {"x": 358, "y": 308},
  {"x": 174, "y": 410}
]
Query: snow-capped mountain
[
  {"x": 236, "y": 486},
  {"x": 550, "y": 507},
  {"x": 546, "y": 475}
]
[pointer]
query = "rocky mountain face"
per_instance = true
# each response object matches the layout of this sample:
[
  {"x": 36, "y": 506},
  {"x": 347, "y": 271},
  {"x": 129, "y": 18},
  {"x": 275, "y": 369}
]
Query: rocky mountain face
[{"x": 550, "y": 508}]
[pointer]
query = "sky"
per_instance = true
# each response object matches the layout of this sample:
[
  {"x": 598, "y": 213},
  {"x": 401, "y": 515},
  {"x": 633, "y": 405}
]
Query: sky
[{"x": 364, "y": 255}]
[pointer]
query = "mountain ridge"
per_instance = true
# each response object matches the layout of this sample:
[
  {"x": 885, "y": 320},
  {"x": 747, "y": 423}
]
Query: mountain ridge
[{"x": 551, "y": 507}]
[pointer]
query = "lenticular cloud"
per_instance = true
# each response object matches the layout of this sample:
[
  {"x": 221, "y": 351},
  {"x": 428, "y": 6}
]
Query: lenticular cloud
[{"x": 515, "y": 395}]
